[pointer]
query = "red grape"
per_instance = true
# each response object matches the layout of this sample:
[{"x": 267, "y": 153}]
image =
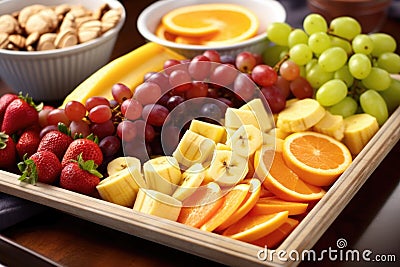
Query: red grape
[
  {"x": 127, "y": 131},
  {"x": 155, "y": 114},
  {"x": 131, "y": 109},
  {"x": 245, "y": 62},
  {"x": 174, "y": 101},
  {"x": 147, "y": 93},
  {"x": 110, "y": 145},
  {"x": 198, "y": 89},
  {"x": 169, "y": 64},
  {"x": 199, "y": 67},
  {"x": 213, "y": 55},
  {"x": 79, "y": 127},
  {"x": 161, "y": 79},
  {"x": 301, "y": 88},
  {"x": 120, "y": 92},
  {"x": 58, "y": 115},
  {"x": 289, "y": 70},
  {"x": 144, "y": 131},
  {"x": 100, "y": 114},
  {"x": 244, "y": 87},
  {"x": 102, "y": 130},
  {"x": 93, "y": 101},
  {"x": 274, "y": 97},
  {"x": 283, "y": 85},
  {"x": 180, "y": 80},
  {"x": 47, "y": 129},
  {"x": 43, "y": 117},
  {"x": 264, "y": 75},
  {"x": 75, "y": 111},
  {"x": 224, "y": 75}
]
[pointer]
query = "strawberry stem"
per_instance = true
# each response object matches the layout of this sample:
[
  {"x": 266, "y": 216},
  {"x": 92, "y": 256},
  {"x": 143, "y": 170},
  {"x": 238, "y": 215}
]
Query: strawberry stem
[
  {"x": 88, "y": 166},
  {"x": 29, "y": 171},
  {"x": 30, "y": 102},
  {"x": 3, "y": 140}
]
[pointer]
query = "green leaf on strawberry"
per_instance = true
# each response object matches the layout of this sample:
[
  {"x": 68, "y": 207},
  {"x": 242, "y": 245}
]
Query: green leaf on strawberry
[
  {"x": 30, "y": 101},
  {"x": 28, "y": 170},
  {"x": 88, "y": 166}
]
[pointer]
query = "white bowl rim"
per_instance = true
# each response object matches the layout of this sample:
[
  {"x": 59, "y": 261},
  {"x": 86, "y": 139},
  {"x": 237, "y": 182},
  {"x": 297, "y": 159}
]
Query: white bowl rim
[
  {"x": 72, "y": 49},
  {"x": 141, "y": 25}
]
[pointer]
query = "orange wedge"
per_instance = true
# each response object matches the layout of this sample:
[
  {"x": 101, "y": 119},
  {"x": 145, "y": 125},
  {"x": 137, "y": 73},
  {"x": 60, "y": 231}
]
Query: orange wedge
[
  {"x": 282, "y": 181},
  {"x": 201, "y": 205},
  {"x": 251, "y": 228},
  {"x": 318, "y": 159},
  {"x": 273, "y": 239},
  {"x": 247, "y": 204},
  {"x": 233, "y": 199},
  {"x": 223, "y": 23},
  {"x": 268, "y": 205}
]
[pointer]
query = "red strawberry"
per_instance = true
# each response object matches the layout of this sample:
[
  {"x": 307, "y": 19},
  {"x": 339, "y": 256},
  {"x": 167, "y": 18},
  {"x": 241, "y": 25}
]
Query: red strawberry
[
  {"x": 28, "y": 142},
  {"x": 56, "y": 141},
  {"x": 7, "y": 151},
  {"x": 5, "y": 100},
  {"x": 43, "y": 166},
  {"x": 20, "y": 114},
  {"x": 88, "y": 148},
  {"x": 80, "y": 176}
]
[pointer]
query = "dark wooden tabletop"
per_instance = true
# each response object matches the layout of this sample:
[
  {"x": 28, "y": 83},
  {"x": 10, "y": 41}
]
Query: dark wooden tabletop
[{"x": 370, "y": 220}]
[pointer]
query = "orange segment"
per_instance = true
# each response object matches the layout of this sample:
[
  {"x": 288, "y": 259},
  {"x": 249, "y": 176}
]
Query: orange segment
[
  {"x": 251, "y": 228},
  {"x": 318, "y": 159},
  {"x": 201, "y": 205},
  {"x": 268, "y": 205},
  {"x": 284, "y": 182},
  {"x": 233, "y": 199},
  {"x": 247, "y": 204},
  {"x": 273, "y": 239},
  {"x": 219, "y": 23}
]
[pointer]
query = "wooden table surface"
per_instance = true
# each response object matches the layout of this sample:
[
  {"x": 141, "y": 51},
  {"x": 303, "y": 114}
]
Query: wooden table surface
[{"x": 370, "y": 221}]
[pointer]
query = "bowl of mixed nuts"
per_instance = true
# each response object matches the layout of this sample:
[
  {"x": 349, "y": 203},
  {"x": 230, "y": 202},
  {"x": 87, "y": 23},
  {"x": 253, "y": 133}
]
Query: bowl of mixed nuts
[{"x": 47, "y": 48}]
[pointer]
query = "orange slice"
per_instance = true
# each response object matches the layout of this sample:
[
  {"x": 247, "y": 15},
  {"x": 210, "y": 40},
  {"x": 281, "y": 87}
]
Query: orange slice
[
  {"x": 318, "y": 159},
  {"x": 247, "y": 204},
  {"x": 284, "y": 182},
  {"x": 233, "y": 199},
  {"x": 201, "y": 205},
  {"x": 225, "y": 23},
  {"x": 251, "y": 228},
  {"x": 268, "y": 205},
  {"x": 164, "y": 34},
  {"x": 273, "y": 239}
]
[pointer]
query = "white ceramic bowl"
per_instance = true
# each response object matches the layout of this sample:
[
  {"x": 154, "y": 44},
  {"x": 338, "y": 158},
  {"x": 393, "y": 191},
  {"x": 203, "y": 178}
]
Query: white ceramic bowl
[
  {"x": 51, "y": 75},
  {"x": 267, "y": 11}
]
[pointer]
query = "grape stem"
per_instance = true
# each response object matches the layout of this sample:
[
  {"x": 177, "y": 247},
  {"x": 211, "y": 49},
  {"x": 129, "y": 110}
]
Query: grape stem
[
  {"x": 337, "y": 36},
  {"x": 280, "y": 62}
]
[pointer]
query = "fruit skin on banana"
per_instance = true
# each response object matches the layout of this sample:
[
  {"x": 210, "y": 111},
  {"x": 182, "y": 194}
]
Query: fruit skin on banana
[
  {"x": 194, "y": 148},
  {"x": 128, "y": 69},
  {"x": 191, "y": 180},
  {"x": 358, "y": 130},
  {"x": 162, "y": 174},
  {"x": 300, "y": 115},
  {"x": 158, "y": 204}
]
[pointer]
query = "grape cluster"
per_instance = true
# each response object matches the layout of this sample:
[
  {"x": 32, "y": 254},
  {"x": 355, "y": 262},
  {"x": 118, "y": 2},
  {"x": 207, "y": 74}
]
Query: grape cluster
[{"x": 349, "y": 71}]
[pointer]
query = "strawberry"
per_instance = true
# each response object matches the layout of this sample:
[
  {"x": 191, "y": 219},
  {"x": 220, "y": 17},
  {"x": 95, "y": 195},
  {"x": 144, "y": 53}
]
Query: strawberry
[
  {"x": 80, "y": 176},
  {"x": 89, "y": 149},
  {"x": 28, "y": 142},
  {"x": 20, "y": 114},
  {"x": 5, "y": 100},
  {"x": 43, "y": 166},
  {"x": 7, "y": 151},
  {"x": 56, "y": 141}
]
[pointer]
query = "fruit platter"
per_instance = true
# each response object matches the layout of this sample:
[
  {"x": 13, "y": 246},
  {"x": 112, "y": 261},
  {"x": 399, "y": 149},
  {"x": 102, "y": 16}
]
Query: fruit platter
[{"x": 231, "y": 158}]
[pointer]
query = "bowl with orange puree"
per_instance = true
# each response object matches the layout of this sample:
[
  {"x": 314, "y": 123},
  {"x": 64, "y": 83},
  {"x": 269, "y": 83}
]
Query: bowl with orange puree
[{"x": 191, "y": 26}]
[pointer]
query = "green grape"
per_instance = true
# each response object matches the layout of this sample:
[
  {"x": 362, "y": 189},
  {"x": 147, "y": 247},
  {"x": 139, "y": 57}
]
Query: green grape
[
  {"x": 373, "y": 103},
  {"x": 272, "y": 54},
  {"x": 335, "y": 41},
  {"x": 345, "y": 27},
  {"x": 392, "y": 95},
  {"x": 332, "y": 59},
  {"x": 378, "y": 79},
  {"x": 346, "y": 107},
  {"x": 389, "y": 61},
  {"x": 344, "y": 74},
  {"x": 278, "y": 32},
  {"x": 319, "y": 42},
  {"x": 359, "y": 66},
  {"x": 297, "y": 36},
  {"x": 382, "y": 43},
  {"x": 362, "y": 43},
  {"x": 303, "y": 72},
  {"x": 331, "y": 92},
  {"x": 301, "y": 54},
  {"x": 314, "y": 23},
  {"x": 311, "y": 64},
  {"x": 316, "y": 76}
]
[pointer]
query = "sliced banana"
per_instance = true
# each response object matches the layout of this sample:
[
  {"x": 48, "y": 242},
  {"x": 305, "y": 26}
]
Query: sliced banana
[
  {"x": 121, "y": 187},
  {"x": 215, "y": 132},
  {"x": 194, "y": 148},
  {"x": 234, "y": 118},
  {"x": 246, "y": 140},
  {"x": 332, "y": 125},
  {"x": 227, "y": 168},
  {"x": 162, "y": 174},
  {"x": 158, "y": 204},
  {"x": 191, "y": 180},
  {"x": 265, "y": 120},
  {"x": 121, "y": 163}
]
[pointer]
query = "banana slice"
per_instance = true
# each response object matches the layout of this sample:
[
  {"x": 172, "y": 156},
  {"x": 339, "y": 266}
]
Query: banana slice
[
  {"x": 332, "y": 125},
  {"x": 227, "y": 168},
  {"x": 358, "y": 130},
  {"x": 121, "y": 187},
  {"x": 300, "y": 115},
  {"x": 191, "y": 180},
  {"x": 234, "y": 118},
  {"x": 209, "y": 130},
  {"x": 265, "y": 121},
  {"x": 158, "y": 204},
  {"x": 120, "y": 163},
  {"x": 194, "y": 148},
  {"x": 246, "y": 140},
  {"x": 162, "y": 174},
  {"x": 221, "y": 146}
]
